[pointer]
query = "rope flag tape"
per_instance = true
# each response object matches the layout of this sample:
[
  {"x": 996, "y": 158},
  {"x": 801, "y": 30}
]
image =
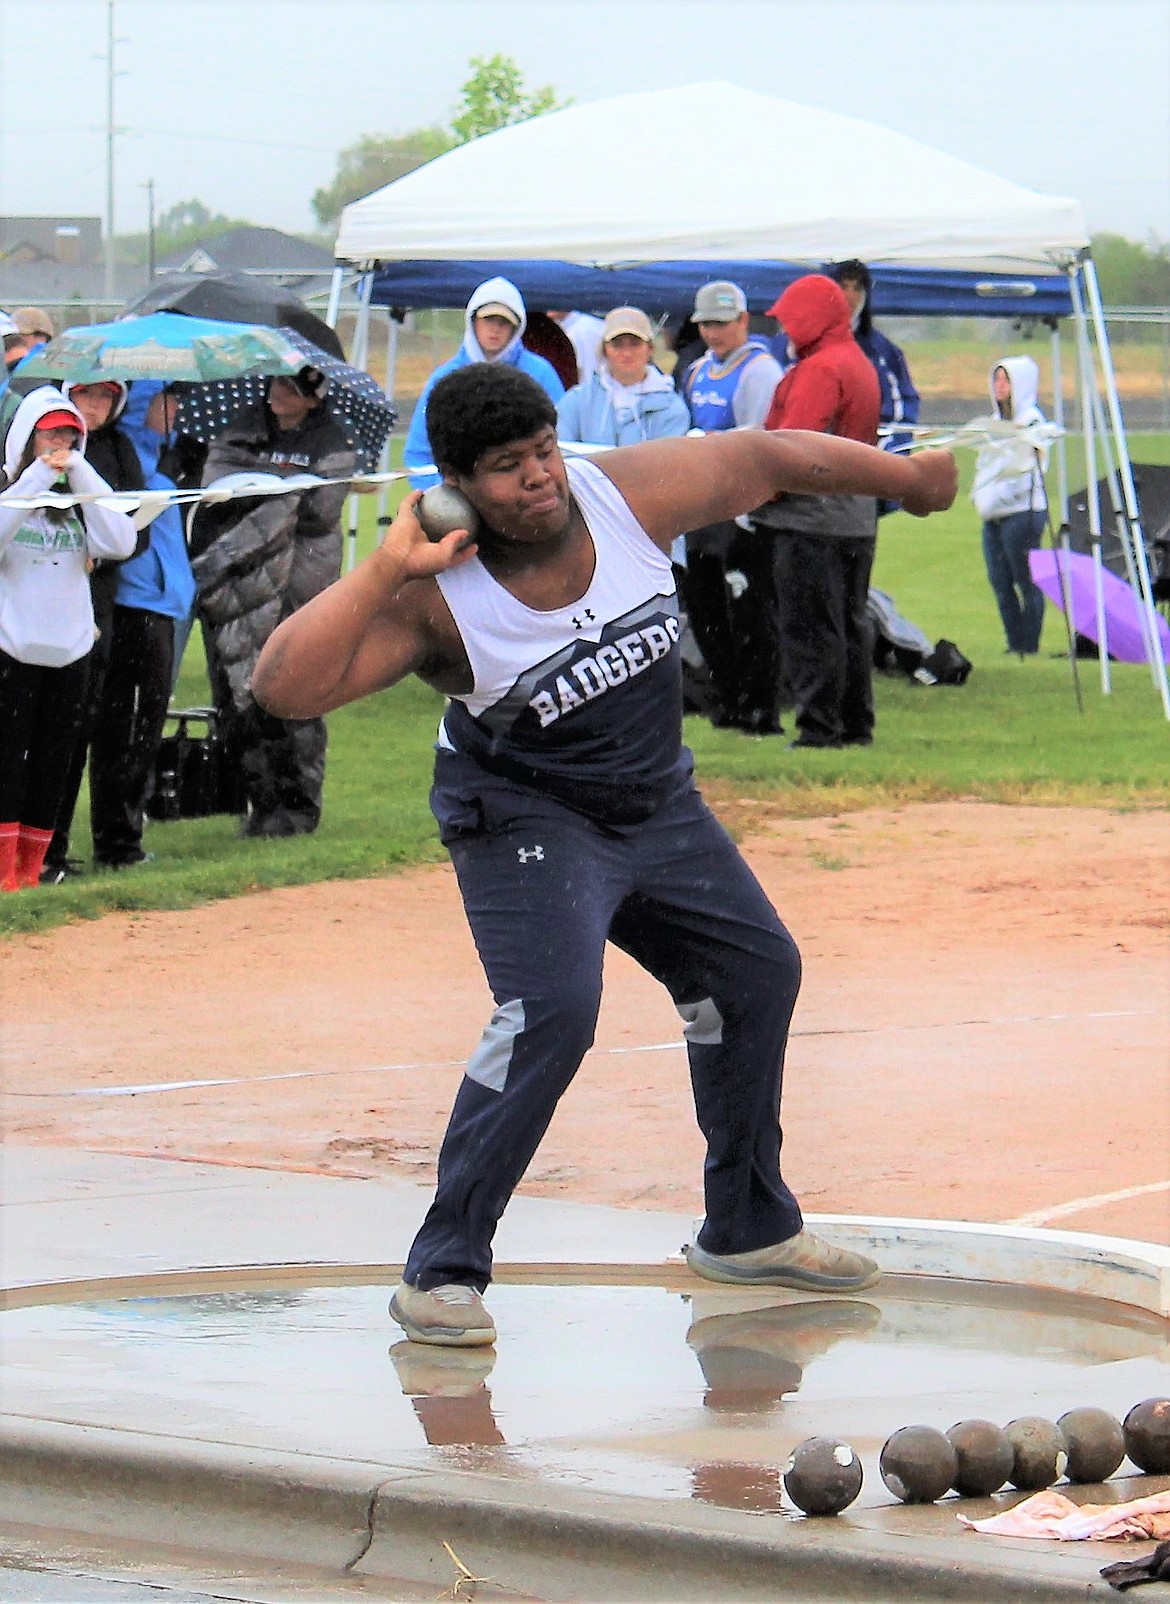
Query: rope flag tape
[{"x": 145, "y": 505}]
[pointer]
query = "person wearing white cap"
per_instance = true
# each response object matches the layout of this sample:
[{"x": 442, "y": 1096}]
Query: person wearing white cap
[
  {"x": 496, "y": 318},
  {"x": 628, "y": 398}
]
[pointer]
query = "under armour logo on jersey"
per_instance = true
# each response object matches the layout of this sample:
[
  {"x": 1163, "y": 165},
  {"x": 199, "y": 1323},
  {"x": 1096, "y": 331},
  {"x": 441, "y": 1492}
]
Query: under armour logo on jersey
[
  {"x": 585, "y": 616},
  {"x": 530, "y": 854}
]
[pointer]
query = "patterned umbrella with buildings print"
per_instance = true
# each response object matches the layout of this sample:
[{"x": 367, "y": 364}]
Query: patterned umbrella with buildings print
[{"x": 354, "y": 399}]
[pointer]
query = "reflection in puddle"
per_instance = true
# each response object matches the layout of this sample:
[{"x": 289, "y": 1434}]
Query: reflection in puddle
[
  {"x": 751, "y": 1358},
  {"x": 734, "y": 1486},
  {"x": 627, "y": 1389}
]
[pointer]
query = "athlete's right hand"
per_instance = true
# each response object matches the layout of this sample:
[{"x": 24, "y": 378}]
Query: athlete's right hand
[{"x": 420, "y": 557}]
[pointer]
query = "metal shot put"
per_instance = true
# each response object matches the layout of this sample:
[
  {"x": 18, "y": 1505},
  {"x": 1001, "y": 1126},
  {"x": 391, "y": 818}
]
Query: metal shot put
[{"x": 566, "y": 798}]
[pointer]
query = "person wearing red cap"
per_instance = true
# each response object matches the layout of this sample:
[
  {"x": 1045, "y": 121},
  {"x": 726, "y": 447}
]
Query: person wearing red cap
[
  {"x": 46, "y": 622},
  {"x": 109, "y": 451},
  {"x": 825, "y": 554}
]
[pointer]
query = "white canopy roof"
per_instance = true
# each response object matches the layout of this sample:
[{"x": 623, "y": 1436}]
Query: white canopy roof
[{"x": 709, "y": 172}]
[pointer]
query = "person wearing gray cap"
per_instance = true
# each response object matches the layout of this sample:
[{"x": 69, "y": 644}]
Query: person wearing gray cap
[{"x": 731, "y": 387}]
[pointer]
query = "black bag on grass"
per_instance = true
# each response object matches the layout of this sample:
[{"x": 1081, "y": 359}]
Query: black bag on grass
[
  {"x": 194, "y": 774},
  {"x": 947, "y": 664}
]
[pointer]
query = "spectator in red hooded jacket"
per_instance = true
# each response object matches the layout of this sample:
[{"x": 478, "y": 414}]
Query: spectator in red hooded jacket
[{"x": 826, "y": 554}]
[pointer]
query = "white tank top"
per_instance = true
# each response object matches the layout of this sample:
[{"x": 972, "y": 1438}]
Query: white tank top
[
  {"x": 583, "y": 702},
  {"x": 504, "y": 639}
]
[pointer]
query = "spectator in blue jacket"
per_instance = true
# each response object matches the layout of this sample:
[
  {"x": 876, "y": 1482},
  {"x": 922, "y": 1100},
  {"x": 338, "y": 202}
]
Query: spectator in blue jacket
[
  {"x": 155, "y": 592},
  {"x": 628, "y": 398},
  {"x": 496, "y": 320},
  {"x": 899, "y": 398}
]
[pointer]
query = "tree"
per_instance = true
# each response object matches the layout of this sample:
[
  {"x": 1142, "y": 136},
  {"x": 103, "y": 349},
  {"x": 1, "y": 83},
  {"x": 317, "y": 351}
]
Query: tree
[
  {"x": 180, "y": 228},
  {"x": 493, "y": 97},
  {"x": 375, "y": 160},
  {"x": 1132, "y": 274}
]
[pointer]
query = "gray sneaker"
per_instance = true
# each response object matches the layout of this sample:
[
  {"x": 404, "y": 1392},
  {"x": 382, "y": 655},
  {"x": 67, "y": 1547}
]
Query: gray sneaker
[
  {"x": 450, "y": 1316},
  {"x": 803, "y": 1262}
]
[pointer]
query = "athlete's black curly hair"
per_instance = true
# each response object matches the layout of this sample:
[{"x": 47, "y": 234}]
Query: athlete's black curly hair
[{"x": 484, "y": 405}]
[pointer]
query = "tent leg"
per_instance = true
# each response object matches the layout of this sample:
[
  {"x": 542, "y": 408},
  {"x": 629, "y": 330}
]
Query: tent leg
[
  {"x": 359, "y": 358},
  {"x": 391, "y": 381},
  {"x": 1088, "y": 433},
  {"x": 1058, "y": 419},
  {"x": 1133, "y": 521},
  {"x": 334, "y": 307}
]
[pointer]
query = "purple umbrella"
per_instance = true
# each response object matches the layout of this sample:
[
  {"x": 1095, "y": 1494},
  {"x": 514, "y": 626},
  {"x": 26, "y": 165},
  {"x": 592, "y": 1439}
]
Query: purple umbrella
[{"x": 1123, "y": 625}]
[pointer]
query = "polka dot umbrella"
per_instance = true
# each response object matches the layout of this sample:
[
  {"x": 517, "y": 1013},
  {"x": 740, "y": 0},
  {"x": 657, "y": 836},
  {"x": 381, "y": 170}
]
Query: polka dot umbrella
[{"x": 354, "y": 400}]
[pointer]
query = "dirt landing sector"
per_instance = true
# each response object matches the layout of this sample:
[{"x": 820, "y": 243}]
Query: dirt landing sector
[{"x": 984, "y": 1029}]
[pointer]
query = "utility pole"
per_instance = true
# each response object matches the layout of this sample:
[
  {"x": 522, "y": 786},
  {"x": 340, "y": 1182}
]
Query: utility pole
[
  {"x": 149, "y": 188},
  {"x": 110, "y": 130}
]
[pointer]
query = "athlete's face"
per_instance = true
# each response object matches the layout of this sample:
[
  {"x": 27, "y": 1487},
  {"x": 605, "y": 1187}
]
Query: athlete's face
[{"x": 521, "y": 489}]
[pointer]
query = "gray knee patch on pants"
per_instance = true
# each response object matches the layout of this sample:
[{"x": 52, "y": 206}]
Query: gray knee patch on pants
[
  {"x": 702, "y": 1023},
  {"x": 490, "y": 1062}
]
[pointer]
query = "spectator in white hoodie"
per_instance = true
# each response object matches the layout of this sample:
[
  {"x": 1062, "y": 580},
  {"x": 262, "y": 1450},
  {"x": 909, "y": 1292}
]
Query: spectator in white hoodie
[
  {"x": 495, "y": 322},
  {"x": 1013, "y": 506},
  {"x": 46, "y": 620}
]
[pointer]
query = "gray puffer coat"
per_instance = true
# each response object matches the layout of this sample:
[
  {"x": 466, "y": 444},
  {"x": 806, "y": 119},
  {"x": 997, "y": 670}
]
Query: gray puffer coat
[{"x": 256, "y": 561}]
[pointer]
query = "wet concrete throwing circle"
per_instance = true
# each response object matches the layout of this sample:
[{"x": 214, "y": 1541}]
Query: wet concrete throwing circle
[{"x": 630, "y": 1382}]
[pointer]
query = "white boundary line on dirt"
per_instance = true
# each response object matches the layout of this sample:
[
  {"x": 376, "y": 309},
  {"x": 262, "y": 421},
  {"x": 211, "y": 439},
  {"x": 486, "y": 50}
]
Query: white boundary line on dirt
[
  {"x": 1081, "y": 1205},
  {"x": 649, "y": 1047}
]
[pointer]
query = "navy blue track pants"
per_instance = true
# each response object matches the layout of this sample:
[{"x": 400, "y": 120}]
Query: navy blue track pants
[{"x": 544, "y": 892}]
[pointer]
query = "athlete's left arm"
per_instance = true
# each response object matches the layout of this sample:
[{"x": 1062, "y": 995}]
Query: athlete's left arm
[{"x": 676, "y": 485}]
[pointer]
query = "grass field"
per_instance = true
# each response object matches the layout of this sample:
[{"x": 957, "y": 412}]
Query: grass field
[{"x": 1011, "y": 734}]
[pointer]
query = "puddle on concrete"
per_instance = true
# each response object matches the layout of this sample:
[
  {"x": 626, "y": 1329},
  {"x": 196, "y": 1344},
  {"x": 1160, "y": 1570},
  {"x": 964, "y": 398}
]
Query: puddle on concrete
[{"x": 626, "y": 1389}]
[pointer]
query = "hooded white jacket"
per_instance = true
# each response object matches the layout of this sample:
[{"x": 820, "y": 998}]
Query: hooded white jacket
[
  {"x": 416, "y": 453},
  {"x": 998, "y": 491},
  {"x": 46, "y": 614}
]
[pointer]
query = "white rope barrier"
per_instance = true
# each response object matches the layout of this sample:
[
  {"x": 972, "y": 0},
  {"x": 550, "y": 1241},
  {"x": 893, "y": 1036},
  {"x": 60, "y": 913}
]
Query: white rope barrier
[{"x": 145, "y": 505}]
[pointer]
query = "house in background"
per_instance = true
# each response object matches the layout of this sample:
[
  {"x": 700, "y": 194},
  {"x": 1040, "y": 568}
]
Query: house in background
[
  {"x": 58, "y": 263},
  {"x": 52, "y": 261},
  {"x": 268, "y": 252}
]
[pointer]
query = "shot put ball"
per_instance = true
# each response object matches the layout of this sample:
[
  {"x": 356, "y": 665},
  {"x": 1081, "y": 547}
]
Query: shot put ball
[
  {"x": 442, "y": 508},
  {"x": 1147, "y": 1436},
  {"x": 918, "y": 1464},
  {"x": 1039, "y": 1455},
  {"x": 984, "y": 1457},
  {"x": 1095, "y": 1443},
  {"x": 823, "y": 1476}
]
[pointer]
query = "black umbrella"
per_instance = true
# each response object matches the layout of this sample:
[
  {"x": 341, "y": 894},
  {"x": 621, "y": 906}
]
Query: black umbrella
[
  {"x": 235, "y": 298},
  {"x": 355, "y": 400}
]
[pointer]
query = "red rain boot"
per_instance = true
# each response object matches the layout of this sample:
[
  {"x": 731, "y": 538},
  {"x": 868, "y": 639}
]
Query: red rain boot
[
  {"x": 31, "y": 847},
  {"x": 8, "y": 839}
]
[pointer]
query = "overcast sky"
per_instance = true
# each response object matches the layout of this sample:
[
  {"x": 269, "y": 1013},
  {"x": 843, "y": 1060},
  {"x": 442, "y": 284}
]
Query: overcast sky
[{"x": 244, "y": 104}]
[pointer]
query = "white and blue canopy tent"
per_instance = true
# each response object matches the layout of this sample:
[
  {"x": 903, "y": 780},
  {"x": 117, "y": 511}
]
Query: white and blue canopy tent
[{"x": 641, "y": 198}]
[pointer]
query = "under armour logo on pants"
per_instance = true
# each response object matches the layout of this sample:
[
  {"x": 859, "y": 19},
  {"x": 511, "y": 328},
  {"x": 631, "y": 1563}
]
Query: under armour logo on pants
[{"x": 527, "y": 854}]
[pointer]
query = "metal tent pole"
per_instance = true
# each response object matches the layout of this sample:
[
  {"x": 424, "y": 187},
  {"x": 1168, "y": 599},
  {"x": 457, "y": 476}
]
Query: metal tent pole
[
  {"x": 1133, "y": 520},
  {"x": 392, "y": 326},
  {"x": 358, "y": 359},
  {"x": 335, "y": 285},
  {"x": 1058, "y": 419},
  {"x": 1088, "y": 435},
  {"x": 1113, "y": 482}
]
